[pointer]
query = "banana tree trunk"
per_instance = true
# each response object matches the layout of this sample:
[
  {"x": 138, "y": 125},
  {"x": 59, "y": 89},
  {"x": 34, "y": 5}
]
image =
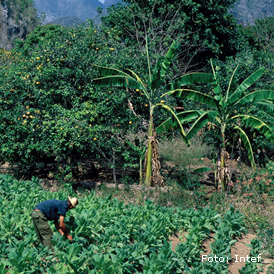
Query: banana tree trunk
[
  {"x": 149, "y": 152},
  {"x": 141, "y": 172},
  {"x": 222, "y": 164}
]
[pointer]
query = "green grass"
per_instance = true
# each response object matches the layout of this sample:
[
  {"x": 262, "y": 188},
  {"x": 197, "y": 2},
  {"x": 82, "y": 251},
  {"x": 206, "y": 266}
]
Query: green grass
[{"x": 178, "y": 152}]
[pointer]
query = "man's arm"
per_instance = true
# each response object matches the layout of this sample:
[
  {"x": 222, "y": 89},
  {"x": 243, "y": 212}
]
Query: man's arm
[{"x": 62, "y": 227}]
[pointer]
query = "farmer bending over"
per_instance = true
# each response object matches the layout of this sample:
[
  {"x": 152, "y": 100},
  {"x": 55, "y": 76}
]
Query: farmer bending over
[{"x": 51, "y": 210}]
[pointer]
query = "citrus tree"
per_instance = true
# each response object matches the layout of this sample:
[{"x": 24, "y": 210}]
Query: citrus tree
[
  {"x": 230, "y": 108},
  {"x": 49, "y": 108},
  {"x": 153, "y": 92}
]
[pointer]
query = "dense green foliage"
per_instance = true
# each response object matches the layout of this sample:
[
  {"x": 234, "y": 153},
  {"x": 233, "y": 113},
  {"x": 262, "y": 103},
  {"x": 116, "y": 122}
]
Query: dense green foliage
[
  {"x": 204, "y": 28},
  {"x": 49, "y": 106},
  {"x": 109, "y": 236}
]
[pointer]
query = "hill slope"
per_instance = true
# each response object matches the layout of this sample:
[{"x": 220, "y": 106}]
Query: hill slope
[
  {"x": 17, "y": 19},
  {"x": 246, "y": 11},
  {"x": 84, "y": 9}
]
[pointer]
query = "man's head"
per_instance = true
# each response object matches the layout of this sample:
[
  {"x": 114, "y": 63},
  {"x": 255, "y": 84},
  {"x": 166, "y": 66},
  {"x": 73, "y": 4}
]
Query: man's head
[{"x": 73, "y": 202}]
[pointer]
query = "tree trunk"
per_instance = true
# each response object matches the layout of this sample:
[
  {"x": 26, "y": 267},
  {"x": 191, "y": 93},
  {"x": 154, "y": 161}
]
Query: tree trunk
[
  {"x": 223, "y": 169},
  {"x": 114, "y": 168},
  {"x": 148, "y": 161},
  {"x": 141, "y": 171},
  {"x": 152, "y": 163}
]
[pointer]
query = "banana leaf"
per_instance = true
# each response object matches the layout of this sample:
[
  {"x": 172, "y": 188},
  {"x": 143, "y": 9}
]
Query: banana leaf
[
  {"x": 184, "y": 117},
  {"x": 106, "y": 71},
  {"x": 238, "y": 93},
  {"x": 191, "y": 78},
  {"x": 201, "y": 122},
  {"x": 231, "y": 82},
  {"x": 256, "y": 123},
  {"x": 265, "y": 105},
  {"x": 117, "y": 81},
  {"x": 247, "y": 145},
  {"x": 192, "y": 95},
  {"x": 256, "y": 96},
  {"x": 163, "y": 64}
]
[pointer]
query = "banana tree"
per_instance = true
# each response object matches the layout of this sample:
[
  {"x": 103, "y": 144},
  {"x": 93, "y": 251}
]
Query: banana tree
[
  {"x": 228, "y": 108},
  {"x": 153, "y": 91}
]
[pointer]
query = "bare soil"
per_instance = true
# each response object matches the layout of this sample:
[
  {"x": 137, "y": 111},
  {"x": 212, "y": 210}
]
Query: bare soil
[{"x": 238, "y": 250}]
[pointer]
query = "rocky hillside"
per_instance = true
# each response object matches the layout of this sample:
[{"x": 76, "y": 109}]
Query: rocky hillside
[
  {"x": 17, "y": 19},
  {"x": 84, "y": 9},
  {"x": 247, "y": 11}
]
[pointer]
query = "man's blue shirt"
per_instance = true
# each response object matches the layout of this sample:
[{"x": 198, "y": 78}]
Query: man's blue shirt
[{"x": 52, "y": 209}]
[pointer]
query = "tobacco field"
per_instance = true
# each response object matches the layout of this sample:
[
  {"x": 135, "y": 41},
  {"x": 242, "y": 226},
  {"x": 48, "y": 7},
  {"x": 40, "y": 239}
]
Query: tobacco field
[{"x": 112, "y": 237}]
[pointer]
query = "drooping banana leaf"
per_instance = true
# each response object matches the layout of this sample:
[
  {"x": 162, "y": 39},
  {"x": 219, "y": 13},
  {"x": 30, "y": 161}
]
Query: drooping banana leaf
[
  {"x": 247, "y": 145},
  {"x": 191, "y": 78},
  {"x": 178, "y": 122},
  {"x": 117, "y": 81},
  {"x": 184, "y": 117},
  {"x": 266, "y": 106},
  {"x": 192, "y": 95},
  {"x": 256, "y": 123},
  {"x": 238, "y": 93},
  {"x": 200, "y": 122},
  {"x": 107, "y": 71},
  {"x": 256, "y": 96}
]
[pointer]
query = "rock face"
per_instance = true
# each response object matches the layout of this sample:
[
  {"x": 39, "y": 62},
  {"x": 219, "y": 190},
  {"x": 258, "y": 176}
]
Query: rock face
[
  {"x": 247, "y": 11},
  {"x": 9, "y": 28},
  {"x": 16, "y": 21},
  {"x": 84, "y": 9}
]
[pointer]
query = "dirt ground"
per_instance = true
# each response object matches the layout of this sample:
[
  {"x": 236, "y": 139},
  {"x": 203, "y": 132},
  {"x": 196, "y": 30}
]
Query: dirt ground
[{"x": 239, "y": 249}]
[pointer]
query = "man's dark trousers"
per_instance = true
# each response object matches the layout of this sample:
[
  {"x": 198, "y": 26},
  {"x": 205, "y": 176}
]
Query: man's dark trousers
[{"x": 42, "y": 228}]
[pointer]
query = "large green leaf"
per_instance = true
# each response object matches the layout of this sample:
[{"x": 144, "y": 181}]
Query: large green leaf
[
  {"x": 231, "y": 82},
  {"x": 266, "y": 106},
  {"x": 162, "y": 65},
  {"x": 238, "y": 93},
  {"x": 256, "y": 96},
  {"x": 201, "y": 122},
  {"x": 117, "y": 81},
  {"x": 247, "y": 145},
  {"x": 191, "y": 78},
  {"x": 178, "y": 122},
  {"x": 183, "y": 117},
  {"x": 156, "y": 77},
  {"x": 106, "y": 71},
  {"x": 169, "y": 57},
  {"x": 201, "y": 169},
  {"x": 192, "y": 95},
  {"x": 256, "y": 123}
]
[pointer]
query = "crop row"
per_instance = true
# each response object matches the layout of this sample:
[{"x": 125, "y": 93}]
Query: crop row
[{"x": 110, "y": 236}]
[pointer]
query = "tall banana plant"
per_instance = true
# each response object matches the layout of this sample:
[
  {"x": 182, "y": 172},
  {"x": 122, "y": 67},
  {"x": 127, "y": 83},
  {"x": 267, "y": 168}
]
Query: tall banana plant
[
  {"x": 153, "y": 91},
  {"x": 226, "y": 108}
]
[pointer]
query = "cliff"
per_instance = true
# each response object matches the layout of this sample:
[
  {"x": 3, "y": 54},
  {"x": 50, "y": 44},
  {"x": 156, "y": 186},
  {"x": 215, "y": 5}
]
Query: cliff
[
  {"x": 84, "y": 9},
  {"x": 247, "y": 11},
  {"x": 16, "y": 21}
]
